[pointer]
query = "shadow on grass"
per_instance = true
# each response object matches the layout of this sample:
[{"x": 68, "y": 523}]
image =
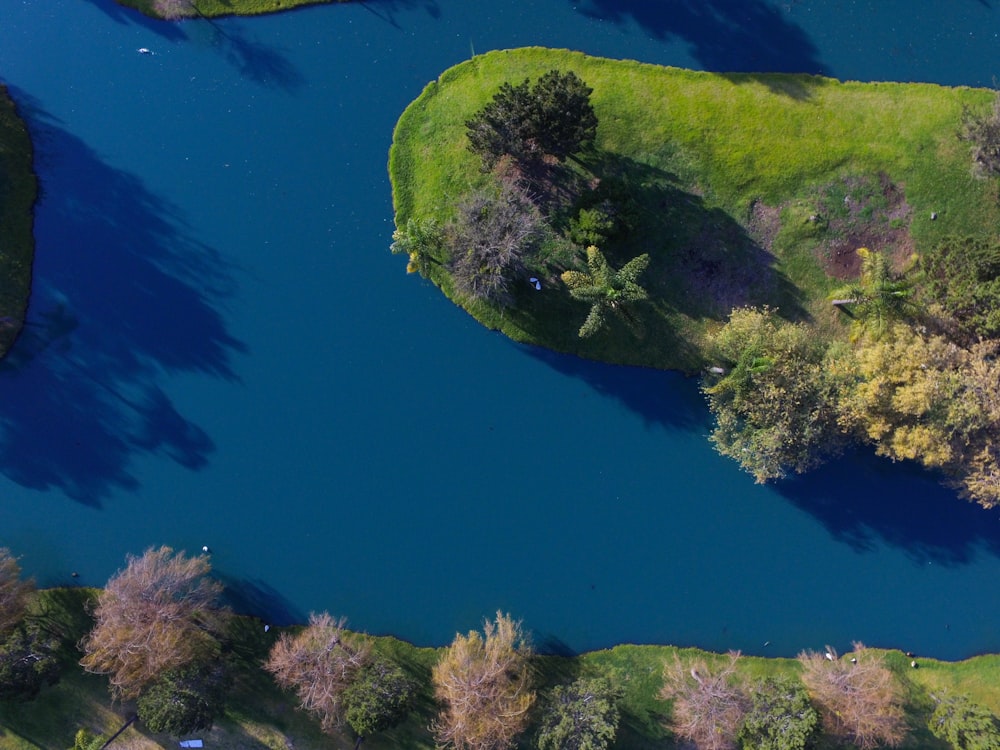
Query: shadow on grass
[
  {"x": 866, "y": 501},
  {"x": 722, "y": 35},
  {"x": 121, "y": 295},
  {"x": 704, "y": 263}
]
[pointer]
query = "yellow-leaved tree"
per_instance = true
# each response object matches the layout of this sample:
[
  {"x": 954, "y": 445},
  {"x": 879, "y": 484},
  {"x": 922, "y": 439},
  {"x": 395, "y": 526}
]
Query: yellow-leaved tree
[{"x": 483, "y": 682}]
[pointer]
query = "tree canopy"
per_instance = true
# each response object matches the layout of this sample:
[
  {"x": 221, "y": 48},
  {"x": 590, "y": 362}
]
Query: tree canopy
[
  {"x": 379, "y": 698},
  {"x": 319, "y": 663},
  {"x": 965, "y": 725},
  {"x": 186, "y": 699},
  {"x": 709, "y": 703},
  {"x": 963, "y": 276},
  {"x": 582, "y": 715},
  {"x": 158, "y": 614},
  {"x": 775, "y": 404},
  {"x": 483, "y": 683},
  {"x": 860, "y": 701},
  {"x": 780, "y": 717},
  {"x": 527, "y": 122}
]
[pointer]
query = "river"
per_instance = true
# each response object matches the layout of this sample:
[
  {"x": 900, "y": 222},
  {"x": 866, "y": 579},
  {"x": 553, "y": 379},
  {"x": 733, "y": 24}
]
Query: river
[{"x": 221, "y": 350}]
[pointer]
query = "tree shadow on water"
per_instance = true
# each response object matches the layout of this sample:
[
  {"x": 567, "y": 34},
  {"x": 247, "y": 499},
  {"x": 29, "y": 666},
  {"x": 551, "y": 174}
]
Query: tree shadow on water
[
  {"x": 120, "y": 297},
  {"x": 723, "y": 35},
  {"x": 120, "y": 14},
  {"x": 866, "y": 501}
]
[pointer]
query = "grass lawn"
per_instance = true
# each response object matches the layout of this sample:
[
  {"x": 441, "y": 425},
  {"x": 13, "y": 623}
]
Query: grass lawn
[
  {"x": 18, "y": 190},
  {"x": 214, "y": 8},
  {"x": 262, "y": 717},
  {"x": 732, "y": 178}
]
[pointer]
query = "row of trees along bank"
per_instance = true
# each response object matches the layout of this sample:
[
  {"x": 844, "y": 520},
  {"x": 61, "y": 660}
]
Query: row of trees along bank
[{"x": 170, "y": 652}]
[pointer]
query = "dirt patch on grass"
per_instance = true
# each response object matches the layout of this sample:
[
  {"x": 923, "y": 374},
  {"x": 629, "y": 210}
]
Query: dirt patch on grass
[{"x": 863, "y": 211}]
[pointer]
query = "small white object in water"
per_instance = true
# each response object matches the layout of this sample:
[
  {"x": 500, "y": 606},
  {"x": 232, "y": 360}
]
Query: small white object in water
[
  {"x": 145, "y": 51},
  {"x": 205, "y": 549}
]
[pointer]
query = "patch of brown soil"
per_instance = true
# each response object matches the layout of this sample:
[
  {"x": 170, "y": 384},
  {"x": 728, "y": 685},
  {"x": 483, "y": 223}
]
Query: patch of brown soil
[{"x": 867, "y": 212}]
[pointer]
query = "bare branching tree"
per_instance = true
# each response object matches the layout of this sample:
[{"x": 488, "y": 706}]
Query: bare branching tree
[
  {"x": 14, "y": 591},
  {"x": 483, "y": 683},
  {"x": 491, "y": 235},
  {"x": 319, "y": 663},
  {"x": 860, "y": 700},
  {"x": 174, "y": 10},
  {"x": 158, "y": 614},
  {"x": 708, "y": 702}
]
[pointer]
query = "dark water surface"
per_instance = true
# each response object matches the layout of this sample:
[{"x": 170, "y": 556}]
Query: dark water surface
[{"x": 222, "y": 351}]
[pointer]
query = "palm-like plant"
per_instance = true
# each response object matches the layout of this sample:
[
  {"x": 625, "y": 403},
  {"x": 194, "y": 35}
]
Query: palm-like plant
[
  {"x": 877, "y": 299},
  {"x": 608, "y": 291}
]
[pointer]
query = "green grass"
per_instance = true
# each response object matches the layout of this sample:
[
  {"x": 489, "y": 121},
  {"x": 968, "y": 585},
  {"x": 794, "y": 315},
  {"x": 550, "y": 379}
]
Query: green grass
[
  {"x": 215, "y": 8},
  {"x": 260, "y": 716},
  {"x": 18, "y": 190},
  {"x": 696, "y": 150}
]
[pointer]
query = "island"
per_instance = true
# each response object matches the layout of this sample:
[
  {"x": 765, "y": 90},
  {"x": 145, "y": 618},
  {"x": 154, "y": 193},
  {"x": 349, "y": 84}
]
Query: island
[
  {"x": 824, "y": 254},
  {"x": 174, "y": 10},
  {"x": 18, "y": 191}
]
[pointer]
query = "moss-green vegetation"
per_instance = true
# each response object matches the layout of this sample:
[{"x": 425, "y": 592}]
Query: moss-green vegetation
[
  {"x": 260, "y": 716},
  {"x": 18, "y": 190},
  {"x": 734, "y": 184},
  {"x": 215, "y": 8}
]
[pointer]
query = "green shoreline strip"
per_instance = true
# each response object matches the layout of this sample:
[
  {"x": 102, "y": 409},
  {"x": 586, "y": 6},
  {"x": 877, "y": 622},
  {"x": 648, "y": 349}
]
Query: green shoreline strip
[
  {"x": 701, "y": 152},
  {"x": 261, "y": 716},
  {"x": 18, "y": 191}
]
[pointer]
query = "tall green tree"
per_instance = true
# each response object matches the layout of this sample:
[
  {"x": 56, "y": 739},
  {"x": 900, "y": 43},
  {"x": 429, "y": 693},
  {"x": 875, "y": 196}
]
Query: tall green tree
[
  {"x": 965, "y": 725},
  {"x": 877, "y": 299},
  {"x": 28, "y": 662},
  {"x": 186, "y": 699},
  {"x": 552, "y": 118},
  {"x": 583, "y": 715},
  {"x": 963, "y": 276},
  {"x": 775, "y": 401},
  {"x": 780, "y": 717},
  {"x": 607, "y": 291},
  {"x": 379, "y": 698}
]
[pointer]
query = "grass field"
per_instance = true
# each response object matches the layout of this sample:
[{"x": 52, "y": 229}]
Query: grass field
[
  {"x": 261, "y": 717},
  {"x": 725, "y": 172},
  {"x": 18, "y": 190}
]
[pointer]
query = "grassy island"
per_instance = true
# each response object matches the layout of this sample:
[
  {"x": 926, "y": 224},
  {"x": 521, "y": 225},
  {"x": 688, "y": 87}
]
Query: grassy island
[
  {"x": 176, "y": 9},
  {"x": 18, "y": 190},
  {"x": 793, "y": 238}
]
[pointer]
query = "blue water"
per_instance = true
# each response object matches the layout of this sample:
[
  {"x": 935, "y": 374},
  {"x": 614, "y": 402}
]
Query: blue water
[{"x": 222, "y": 351}]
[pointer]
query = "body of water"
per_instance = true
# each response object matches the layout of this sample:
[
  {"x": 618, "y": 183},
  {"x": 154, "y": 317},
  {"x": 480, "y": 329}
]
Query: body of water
[{"x": 221, "y": 350}]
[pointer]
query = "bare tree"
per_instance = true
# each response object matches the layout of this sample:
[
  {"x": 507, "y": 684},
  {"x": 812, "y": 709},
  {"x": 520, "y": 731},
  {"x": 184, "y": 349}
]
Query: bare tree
[
  {"x": 174, "y": 10},
  {"x": 860, "y": 700},
  {"x": 157, "y": 614},
  {"x": 319, "y": 663},
  {"x": 483, "y": 683},
  {"x": 14, "y": 591},
  {"x": 708, "y": 702},
  {"x": 489, "y": 240}
]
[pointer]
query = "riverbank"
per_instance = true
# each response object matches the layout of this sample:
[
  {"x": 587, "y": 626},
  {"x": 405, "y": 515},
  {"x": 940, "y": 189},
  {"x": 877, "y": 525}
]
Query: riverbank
[
  {"x": 216, "y": 8},
  {"x": 260, "y": 716},
  {"x": 18, "y": 192}
]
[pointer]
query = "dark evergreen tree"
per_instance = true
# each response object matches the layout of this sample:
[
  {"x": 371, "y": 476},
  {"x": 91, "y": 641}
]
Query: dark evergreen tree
[
  {"x": 552, "y": 118},
  {"x": 580, "y": 716},
  {"x": 185, "y": 699},
  {"x": 963, "y": 276}
]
